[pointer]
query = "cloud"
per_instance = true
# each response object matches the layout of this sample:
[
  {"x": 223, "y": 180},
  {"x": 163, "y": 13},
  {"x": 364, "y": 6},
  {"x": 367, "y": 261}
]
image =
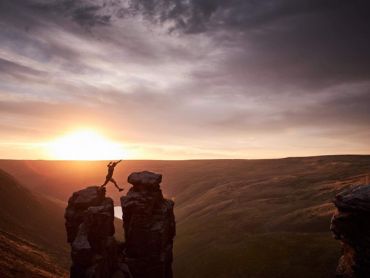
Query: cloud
[
  {"x": 303, "y": 43},
  {"x": 17, "y": 70},
  {"x": 85, "y": 13},
  {"x": 213, "y": 75}
]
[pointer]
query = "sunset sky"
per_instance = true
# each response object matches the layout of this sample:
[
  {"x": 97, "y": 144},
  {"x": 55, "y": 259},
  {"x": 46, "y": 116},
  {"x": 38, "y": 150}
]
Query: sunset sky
[{"x": 173, "y": 79}]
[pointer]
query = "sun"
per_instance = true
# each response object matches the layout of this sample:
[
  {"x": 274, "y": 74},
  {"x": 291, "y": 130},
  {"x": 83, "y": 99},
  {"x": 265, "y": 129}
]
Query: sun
[{"x": 85, "y": 145}]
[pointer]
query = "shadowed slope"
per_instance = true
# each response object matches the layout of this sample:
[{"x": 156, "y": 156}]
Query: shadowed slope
[{"x": 32, "y": 240}]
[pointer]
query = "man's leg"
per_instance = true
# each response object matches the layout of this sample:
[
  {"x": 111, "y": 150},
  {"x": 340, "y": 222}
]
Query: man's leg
[
  {"x": 105, "y": 183},
  {"x": 116, "y": 185}
]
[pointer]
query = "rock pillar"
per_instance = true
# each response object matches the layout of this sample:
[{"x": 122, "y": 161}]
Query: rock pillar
[
  {"x": 149, "y": 226},
  {"x": 89, "y": 223}
]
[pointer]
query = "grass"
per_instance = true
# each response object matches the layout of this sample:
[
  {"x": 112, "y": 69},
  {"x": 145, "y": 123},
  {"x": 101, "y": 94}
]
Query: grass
[
  {"x": 311, "y": 255},
  {"x": 235, "y": 218}
]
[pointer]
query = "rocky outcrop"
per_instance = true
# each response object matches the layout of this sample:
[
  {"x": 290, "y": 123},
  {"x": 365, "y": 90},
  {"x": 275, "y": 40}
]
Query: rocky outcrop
[
  {"x": 351, "y": 226},
  {"x": 89, "y": 223},
  {"x": 149, "y": 226}
]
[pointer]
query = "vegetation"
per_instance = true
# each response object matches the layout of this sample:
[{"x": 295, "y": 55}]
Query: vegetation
[{"x": 235, "y": 218}]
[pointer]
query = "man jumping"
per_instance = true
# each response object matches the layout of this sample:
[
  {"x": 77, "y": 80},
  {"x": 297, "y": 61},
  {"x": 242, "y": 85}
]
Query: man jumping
[{"x": 109, "y": 177}]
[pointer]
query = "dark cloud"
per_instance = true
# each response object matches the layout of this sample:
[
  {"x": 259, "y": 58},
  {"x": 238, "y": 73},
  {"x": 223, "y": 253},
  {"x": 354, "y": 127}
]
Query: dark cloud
[
  {"x": 204, "y": 15},
  {"x": 85, "y": 13},
  {"x": 310, "y": 43}
]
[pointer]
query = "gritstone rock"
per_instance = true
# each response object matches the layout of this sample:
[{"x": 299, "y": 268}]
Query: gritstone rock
[
  {"x": 144, "y": 178},
  {"x": 149, "y": 225},
  {"x": 351, "y": 225},
  {"x": 89, "y": 224}
]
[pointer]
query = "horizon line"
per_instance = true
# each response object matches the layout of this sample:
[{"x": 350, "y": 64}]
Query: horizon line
[{"x": 190, "y": 159}]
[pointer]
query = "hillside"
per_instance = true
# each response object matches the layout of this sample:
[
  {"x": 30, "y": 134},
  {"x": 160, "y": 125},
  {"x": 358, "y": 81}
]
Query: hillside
[
  {"x": 32, "y": 240},
  {"x": 235, "y": 218}
]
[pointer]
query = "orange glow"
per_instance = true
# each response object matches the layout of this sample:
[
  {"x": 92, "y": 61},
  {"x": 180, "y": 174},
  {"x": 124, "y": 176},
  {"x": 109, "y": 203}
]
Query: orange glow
[{"x": 85, "y": 145}]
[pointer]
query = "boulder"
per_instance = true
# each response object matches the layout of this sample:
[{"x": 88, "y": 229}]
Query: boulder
[{"x": 144, "y": 178}]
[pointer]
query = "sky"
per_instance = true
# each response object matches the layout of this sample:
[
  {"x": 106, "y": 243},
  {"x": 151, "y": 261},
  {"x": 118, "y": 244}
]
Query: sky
[{"x": 186, "y": 79}]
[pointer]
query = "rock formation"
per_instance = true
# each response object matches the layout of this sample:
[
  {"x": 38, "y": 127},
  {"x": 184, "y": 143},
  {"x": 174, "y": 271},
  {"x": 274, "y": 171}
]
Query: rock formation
[
  {"x": 149, "y": 226},
  {"x": 351, "y": 226},
  {"x": 90, "y": 229}
]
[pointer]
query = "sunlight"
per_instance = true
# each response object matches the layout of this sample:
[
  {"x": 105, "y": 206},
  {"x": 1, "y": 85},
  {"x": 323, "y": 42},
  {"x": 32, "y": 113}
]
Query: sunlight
[{"x": 85, "y": 145}]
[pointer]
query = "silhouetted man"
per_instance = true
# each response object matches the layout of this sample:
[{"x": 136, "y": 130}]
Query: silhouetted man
[{"x": 109, "y": 177}]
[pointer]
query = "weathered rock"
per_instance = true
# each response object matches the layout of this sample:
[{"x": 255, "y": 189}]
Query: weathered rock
[
  {"x": 149, "y": 225},
  {"x": 90, "y": 229},
  {"x": 144, "y": 178},
  {"x": 351, "y": 226}
]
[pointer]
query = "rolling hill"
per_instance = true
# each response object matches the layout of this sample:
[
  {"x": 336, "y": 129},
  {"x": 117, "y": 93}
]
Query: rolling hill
[
  {"x": 235, "y": 218},
  {"x": 32, "y": 240}
]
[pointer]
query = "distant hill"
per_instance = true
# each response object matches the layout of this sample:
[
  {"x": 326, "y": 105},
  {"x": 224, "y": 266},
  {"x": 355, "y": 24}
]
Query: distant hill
[
  {"x": 267, "y": 218},
  {"x": 32, "y": 240},
  {"x": 235, "y": 218}
]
